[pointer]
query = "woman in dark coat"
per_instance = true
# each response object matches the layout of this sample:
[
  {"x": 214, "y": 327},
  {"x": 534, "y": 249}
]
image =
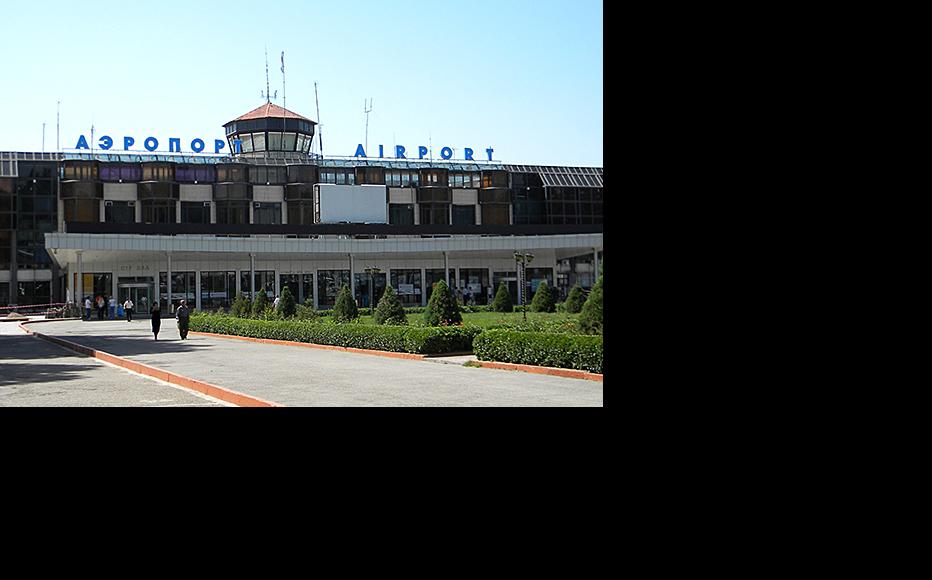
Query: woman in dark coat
[
  {"x": 156, "y": 313},
  {"x": 183, "y": 314}
]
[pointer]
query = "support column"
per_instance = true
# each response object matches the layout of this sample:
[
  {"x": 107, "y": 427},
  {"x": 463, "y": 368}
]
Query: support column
[
  {"x": 178, "y": 211},
  {"x": 168, "y": 284},
  {"x": 423, "y": 287},
  {"x": 115, "y": 286},
  {"x": 79, "y": 290},
  {"x": 14, "y": 269},
  {"x": 276, "y": 284},
  {"x": 595, "y": 264},
  {"x": 314, "y": 287},
  {"x": 252, "y": 276},
  {"x": 138, "y": 206},
  {"x": 489, "y": 299},
  {"x": 197, "y": 289},
  {"x": 352, "y": 278},
  {"x": 446, "y": 269}
]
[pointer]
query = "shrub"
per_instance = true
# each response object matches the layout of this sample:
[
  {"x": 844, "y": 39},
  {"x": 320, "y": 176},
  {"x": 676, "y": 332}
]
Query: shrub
[
  {"x": 345, "y": 309},
  {"x": 544, "y": 349},
  {"x": 575, "y": 300},
  {"x": 413, "y": 339},
  {"x": 389, "y": 310},
  {"x": 590, "y": 320},
  {"x": 241, "y": 307},
  {"x": 502, "y": 301},
  {"x": 442, "y": 309},
  {"x": 286, "y": 304},
  {"x": 543, "y": 299},
  {"x": 260, "y": 303},
  {"x": 305, "y": 312}
]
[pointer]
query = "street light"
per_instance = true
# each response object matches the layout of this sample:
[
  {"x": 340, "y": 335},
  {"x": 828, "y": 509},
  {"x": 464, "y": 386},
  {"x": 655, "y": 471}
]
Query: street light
[
  {"x": 372, "y": 271},
  {"x": 522, "y": 259}
]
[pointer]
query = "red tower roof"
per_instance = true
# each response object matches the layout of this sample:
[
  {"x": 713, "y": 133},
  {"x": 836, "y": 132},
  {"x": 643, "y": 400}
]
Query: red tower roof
[{"x": 270, "y": 110}]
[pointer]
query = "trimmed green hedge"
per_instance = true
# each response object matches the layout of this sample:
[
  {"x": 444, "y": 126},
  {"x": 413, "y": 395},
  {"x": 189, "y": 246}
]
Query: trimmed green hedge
[
  {"x": 536, "y": 348},
  {"x": 413, "y": 339}
]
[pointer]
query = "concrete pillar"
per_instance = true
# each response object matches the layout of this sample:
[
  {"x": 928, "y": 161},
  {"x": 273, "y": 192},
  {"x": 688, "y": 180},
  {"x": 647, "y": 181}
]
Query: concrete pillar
[
  {"x": 138, "y": 207},
  {"x": 595, "y": 264},
  {"x": 168, "y": 284},
  {"x": 197, "y": 289},
  {"x": 284, "y": 212},
  {"x": 14, "y": 270},
  {"x": 314, "y": 287},
  {"x": 491, "y": 285},
  {"x": 213, "y": 212},
  {"x": 352, "y": 278},
  {"x": 103, "y": 211},
  {"x": 277, "y": 284},
  {"x": 238, "y": 283},
  {"x": 79, "y": 290},
  {"x": 423, "y": 287},
  {"x": 446, "y": 269},
  {"x": 251, "y": 213},
  {"x": 178, "y": 211},
  {"x": 252, "y": 276},
  {"x": 115, "y": 286}
]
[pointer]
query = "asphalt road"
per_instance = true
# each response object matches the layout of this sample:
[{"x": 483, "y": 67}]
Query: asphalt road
[{"x": 297, "y": 376}]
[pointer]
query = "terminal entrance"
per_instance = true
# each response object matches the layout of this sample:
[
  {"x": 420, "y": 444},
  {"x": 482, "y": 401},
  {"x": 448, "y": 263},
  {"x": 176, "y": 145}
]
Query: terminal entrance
[{"x": 140, "y": 290}]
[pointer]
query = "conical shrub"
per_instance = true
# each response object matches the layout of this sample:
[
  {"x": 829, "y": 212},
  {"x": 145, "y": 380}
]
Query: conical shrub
[
  {"x": 543, "y": 299},
  {"x": 260, "y": 303},
  {"x": 389, "y": 309},
  {"x": 442, "y": 309},
  {"x": 575, "y": 300},
  {"x": 502, "y": 301},
  {"x": 590, "y": 320},
  {"x": 286, "y": 303},
  {"x": 345, "y": 309}
]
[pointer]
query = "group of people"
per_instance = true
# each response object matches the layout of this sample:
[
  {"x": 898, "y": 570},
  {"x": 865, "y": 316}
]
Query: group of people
[{"x": 182, "y": 313}]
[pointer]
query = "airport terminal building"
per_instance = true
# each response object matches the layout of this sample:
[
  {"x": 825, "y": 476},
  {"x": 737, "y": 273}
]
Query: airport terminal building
[{"x": 265, "y": 211}]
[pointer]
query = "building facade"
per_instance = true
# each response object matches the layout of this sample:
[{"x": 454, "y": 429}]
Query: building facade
[{"x": 272, "y": 214}]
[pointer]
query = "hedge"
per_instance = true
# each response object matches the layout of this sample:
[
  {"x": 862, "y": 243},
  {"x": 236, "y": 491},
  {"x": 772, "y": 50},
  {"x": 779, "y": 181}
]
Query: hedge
[
  {"x": 412, "y": 339},
  {"x": 537, "y": 348}
]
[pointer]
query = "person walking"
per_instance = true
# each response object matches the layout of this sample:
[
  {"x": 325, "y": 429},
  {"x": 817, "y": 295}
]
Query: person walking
[
  {"x": 183, "y": 314},
  {"x": 112, "y": 305},
  {"x": 128, "y": 309},
  {"x": 100, "y": 307},
  {"x": 275, "y": 303},
  {"x": 156, "y": 313},
  {"x": 87, "y": 308}
]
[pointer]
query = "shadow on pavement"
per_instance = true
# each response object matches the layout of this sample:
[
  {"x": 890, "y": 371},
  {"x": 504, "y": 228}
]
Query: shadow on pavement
[
  {"x": 31, "y": 373},
  {"x": 25, "y": 347},
  {"x": 134, "y": 344}
]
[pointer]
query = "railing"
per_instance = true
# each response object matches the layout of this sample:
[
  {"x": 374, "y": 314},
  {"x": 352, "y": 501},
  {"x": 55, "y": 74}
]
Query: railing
[{"x": 47, "y": 308}]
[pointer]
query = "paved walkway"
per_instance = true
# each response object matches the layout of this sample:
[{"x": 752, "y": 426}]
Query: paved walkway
[
  {"x": 37, "y": 373},
  {"x": 298, "y": 376}
]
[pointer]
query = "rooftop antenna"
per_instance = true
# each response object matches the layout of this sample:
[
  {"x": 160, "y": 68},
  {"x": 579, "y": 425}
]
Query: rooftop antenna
[
  {"x": 284, "y": 94},
  {"x": 268, "y": 95},
  {"x": 57, "y": 127},
  {"x": 43, "y": 137},
  {"x": 367, "y": 110},
  {"x": 320, "y": 130}
]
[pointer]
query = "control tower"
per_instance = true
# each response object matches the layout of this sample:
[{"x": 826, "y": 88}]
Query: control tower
[{"x": 270, "y": 131}]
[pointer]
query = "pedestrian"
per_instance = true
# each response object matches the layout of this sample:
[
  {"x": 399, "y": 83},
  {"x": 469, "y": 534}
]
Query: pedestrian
[
  {"x": 112, "y": 305},
  {"x": 275, "y": 302},
  {"x": 87, "y": 308},
  {"x": 128, "y": 309},
  {"x": 184, "y": 317},
  {"x": 156, "y": 313},
  {"x": 100, "y": 307}
]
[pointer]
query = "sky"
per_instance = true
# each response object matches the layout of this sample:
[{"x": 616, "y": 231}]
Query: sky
[{"x": 521, "y": 76}]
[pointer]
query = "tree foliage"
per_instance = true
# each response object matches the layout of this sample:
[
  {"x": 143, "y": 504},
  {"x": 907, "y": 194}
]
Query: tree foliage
[
  {"x": 345, "y": 309},
  {"x": 442, "y": 309},
  {"x": 286, "y": 303},
  {"x": 575, "y": 300},
  {"x": 502, "y": 301},
  {"x": 389, "y": 309},
  {"x": 543, "y": 299}
]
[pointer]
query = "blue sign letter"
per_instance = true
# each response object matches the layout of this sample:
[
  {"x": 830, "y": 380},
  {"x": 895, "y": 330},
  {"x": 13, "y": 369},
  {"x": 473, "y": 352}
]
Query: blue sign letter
[
  {"x": 82, "y": 143},
  {"x": 155, "y": 143},
  {"x": 446, "y": 153},
  {"x": 106, "y": 142},
  {"x": 489, "y": 151},
  {"x": 237, "y": 145},
  {"x": 174, "y": 145},
  {"x": 400, "y": 152},
  {"x": 381, "y": 151},
  {"x": 468, "y": 154},
  {"x": 197, "y": 145},
  {"x": 421, "y": 151},
  {"x": 360, "y": 152},
  {"x": 128, "y": 142},
  {"x": 219, "y": 144}
]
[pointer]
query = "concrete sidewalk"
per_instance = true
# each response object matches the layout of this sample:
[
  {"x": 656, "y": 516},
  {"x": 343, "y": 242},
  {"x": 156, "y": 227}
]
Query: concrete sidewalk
[{"x": 297, "y": 376}]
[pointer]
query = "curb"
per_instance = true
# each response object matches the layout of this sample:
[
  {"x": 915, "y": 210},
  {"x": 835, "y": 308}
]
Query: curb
[
  {"x": 566, "y": 373},
  {"x": 386, "y": 353},
  {"x": 217, "y": 392}
]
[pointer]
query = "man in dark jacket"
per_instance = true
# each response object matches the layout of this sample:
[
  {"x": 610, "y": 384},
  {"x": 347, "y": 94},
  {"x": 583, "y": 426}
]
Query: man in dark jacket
[{"x": 184, "y": 316}]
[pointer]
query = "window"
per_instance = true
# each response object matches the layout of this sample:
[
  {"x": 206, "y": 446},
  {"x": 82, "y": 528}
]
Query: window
[
  {"x": 302, "y": 174},
  {"x": 494, "y": 179},
  {"x": 275, "y": 141},
  {"x": 231, "y": 173},
  {"x": 195, "y": 212},
  {"x": 401, "y": 214},
  {"x": 35, "y": 292},
  {"x": 119, "y": 212},
  {"x": 246, "y": 146},
  {"x": 288, "y": 143},
  {"x": 183, "y": 288},
  {"x": 370, "y": 175},
  {"x": 301, "y": 287},
  {"x": 268, "y": 175},
  {"x": 300, "y": 212},
  {"x": 464, "y": 215},
  {"x": 476, "y": 280},
  {"x": 264, "y": 279},
  {"x": 218, "y": 290},
  {"x": 495, "y": 213},
  {"x": 267, "y": 213},
  {"x": 82, "y": 210},
  {"x": 329, "y": 283},
  {"x": 158, "y": 211},
  {"x": 120, "y": 172},
  {"x": 196, "y": 173},
  {"x": 436, "y": 214},
  {"x": 232, "y": 212},
  {"x": 436, "y": 275},
  {"x": 158, "y": 172},
  {"x": 407, "y": 284},
  {"x": 258, "y": 141}
]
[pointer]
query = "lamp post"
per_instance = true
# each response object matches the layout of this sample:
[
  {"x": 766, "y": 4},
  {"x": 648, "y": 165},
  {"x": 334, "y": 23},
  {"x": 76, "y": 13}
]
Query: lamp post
[
  {"x": 372, "y": 271},
  {"x": 522, "y": 259}
]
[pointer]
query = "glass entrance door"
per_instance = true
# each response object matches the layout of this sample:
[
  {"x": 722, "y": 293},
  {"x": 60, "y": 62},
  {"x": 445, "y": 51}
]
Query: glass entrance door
[{"x": 141, "y": 295}]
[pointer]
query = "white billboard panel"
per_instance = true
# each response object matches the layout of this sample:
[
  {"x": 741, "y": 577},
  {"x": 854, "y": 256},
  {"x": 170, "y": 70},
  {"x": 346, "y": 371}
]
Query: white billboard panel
[{"x": 351, "y": 203}]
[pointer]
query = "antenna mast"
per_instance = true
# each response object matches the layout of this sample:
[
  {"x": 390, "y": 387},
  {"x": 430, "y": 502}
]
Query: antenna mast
[
  {"x": 57, "y": 126},
  {"x": 320, "y": 130},
  {"x": 367, "y": 110},
  {"x": 268, "y": 95},
  {"x": 43, "y": 137},
  {"x": 284, "y": 94}
]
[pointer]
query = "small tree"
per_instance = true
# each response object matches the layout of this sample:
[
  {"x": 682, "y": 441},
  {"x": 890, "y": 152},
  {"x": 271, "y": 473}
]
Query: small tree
[
  {"x": 241, "y": 307},
  {"x": 286, "y": 304},
  {"x": 260, "y": 303},
  {"x": 345, "y": 309},
  {"x": 543, "y": 299},
  {"x": 390, "y": 310},
  {"x": 502, "y": 301},
  {"x": 575, "y": 300},
  {"x": 442, "y": 309},
  {"x": 590, "y": 320}
]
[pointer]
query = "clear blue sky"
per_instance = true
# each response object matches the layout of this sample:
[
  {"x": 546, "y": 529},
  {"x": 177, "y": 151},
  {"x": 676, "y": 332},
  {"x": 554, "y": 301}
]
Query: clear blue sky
[{"x": 522, "y": 76}]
